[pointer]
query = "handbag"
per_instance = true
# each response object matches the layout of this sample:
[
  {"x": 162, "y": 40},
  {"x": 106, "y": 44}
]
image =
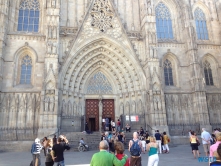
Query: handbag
[{"x": 168, "y": 140}]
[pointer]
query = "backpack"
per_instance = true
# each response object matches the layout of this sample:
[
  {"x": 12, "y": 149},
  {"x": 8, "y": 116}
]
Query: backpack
[
  {"x": 135, "y": 149},
  {"x": 33, "y": 148}
]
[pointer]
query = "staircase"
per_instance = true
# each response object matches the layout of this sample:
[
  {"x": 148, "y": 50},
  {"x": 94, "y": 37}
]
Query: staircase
[{"x": 92, "y": 140}]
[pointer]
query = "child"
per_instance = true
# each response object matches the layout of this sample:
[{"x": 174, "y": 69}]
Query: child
[{"x": 143, "y": 145}]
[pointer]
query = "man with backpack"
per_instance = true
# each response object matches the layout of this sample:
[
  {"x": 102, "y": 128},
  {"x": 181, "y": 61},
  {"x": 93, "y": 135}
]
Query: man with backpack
[{"x": 135, "y": 148}]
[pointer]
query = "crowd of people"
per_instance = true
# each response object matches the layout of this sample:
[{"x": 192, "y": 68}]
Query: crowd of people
[
  {"x": 112, "y": 148},
  {"x": 211, "y": 145},
  {"x": 53, "y": 151}
]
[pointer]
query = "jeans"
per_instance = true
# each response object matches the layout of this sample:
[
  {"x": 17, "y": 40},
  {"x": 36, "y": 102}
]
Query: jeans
[
  {"x": 60, "y": 163},
  {"x": 153, "y": 160}
]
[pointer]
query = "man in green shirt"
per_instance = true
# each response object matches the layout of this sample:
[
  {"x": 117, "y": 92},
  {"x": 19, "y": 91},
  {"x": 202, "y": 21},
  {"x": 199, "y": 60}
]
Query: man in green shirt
[{"x": 104, "y": 158}]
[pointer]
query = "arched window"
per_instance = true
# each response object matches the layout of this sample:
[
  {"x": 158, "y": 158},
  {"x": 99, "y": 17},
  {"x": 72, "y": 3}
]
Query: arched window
[
  {"x": 208, "y": 73},
  {"x": 163, "y": 22},
  {"x": 28, "y": 19},
  {"x": 168, "y": 73},
  {"x": 201, "y": 27},
  {"x": 26, "y": 67}
]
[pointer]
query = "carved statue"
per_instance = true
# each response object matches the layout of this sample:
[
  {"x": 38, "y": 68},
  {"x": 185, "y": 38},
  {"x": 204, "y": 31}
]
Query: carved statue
[
  {"x": 51, "y": 104},
  {"x": 149, "y": 7},
  {"x": 49, "y": 32},
  {"x": 54, "y": 32},
  {"x": 46, "y": 104},
  {"x": 54, "y": 48},
  {"x": 49, "y": 48}
]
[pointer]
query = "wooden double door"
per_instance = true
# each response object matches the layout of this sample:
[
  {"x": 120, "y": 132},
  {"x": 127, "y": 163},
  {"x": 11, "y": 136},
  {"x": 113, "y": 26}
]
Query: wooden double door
[{"x": 92, "y": 112}]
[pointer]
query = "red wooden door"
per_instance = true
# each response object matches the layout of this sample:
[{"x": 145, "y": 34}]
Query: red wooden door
[
  {"x": 108, "y": 109},
  {"x": 92, "y": 112}
]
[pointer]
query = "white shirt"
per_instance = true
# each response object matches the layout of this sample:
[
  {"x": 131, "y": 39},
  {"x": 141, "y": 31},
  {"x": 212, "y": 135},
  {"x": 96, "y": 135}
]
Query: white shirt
[
  {"x": 143, "y": 143},
  {"x": 205, "y": 137},
  {"x": 113, "y": 124}
]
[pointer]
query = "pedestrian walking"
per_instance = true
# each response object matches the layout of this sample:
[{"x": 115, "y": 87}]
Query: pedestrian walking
[
  {"x": 143, "y": 145},
  {"x": 152, "y": 149},
  {"x": 206, "y": 141},
  {"x": 35, "y": 150},
  {"x": 166, "y": 140},
  {"x": 118, "y": 125},
  {"x": 194, "y": 144},
  {"x": 135, "y": 149},
  {"x": 48, "y": 160},
  {"x": 158, "y": 141}
]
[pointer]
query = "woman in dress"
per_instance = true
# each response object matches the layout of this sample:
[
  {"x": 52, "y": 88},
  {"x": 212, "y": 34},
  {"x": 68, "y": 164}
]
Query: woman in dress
[
  {"x": 48, "y": 160},
  {"x": 194, "y": 144},
  {"x": 152, "y": 148}
]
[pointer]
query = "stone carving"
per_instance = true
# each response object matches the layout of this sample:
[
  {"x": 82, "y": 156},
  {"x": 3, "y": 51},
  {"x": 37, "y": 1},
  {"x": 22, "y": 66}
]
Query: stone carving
[
  {"x": 102, "y": 15},
  {"x": 153, "y": 52},
  {"x": 52, "y": 32},
  {"x": 149, "y": 7},
  {"x": 30, "y": 5}
]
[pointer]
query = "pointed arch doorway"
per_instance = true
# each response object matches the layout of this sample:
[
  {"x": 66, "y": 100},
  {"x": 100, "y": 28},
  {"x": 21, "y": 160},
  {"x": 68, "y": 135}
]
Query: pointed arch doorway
[{"x": 97, "y": 110}]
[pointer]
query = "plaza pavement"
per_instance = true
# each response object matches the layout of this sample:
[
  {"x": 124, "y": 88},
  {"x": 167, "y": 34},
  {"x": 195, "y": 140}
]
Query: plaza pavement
[{"x": 178, "y": 156}]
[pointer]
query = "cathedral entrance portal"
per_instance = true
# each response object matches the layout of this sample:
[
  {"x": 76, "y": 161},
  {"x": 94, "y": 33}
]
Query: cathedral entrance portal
[{"x": 92, "y": 112}]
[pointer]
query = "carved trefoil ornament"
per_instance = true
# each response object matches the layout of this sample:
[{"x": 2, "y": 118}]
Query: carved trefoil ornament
[{"x": 102, "y": 16}]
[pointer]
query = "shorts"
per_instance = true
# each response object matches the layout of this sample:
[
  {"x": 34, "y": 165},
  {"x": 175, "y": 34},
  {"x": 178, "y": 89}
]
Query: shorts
[
  {"x": 194, "y": 146},
  {"x": 206, "y": 147}
]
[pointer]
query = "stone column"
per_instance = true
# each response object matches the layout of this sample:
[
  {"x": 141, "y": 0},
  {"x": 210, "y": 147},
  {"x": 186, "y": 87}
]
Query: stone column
[
  {"x": 157, "y": 112},
  {"x": 49, "y": 105}
]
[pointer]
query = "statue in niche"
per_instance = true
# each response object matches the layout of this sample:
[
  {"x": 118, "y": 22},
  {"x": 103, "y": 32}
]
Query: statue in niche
[
  {"x": 51, "y": 103},
  {"x": 54, "y": 48},
  {"x": 149, "y": 7},
  {"x": 49, "y": 48},
  {"x": 153, "y": 52},
  {"x": 46, "y": 104},
  {"x": 63, "y": 109},
  {"x": 49, "y": 32},
  {"x": 54, "y": 32},
  {"x": 74, "y": 109},
  {"x": 80, "y": 110}
]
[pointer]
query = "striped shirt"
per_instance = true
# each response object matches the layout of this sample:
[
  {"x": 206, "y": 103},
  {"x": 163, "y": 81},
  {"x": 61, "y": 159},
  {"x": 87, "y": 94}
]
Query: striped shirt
[{"x": 38, "y": 148}]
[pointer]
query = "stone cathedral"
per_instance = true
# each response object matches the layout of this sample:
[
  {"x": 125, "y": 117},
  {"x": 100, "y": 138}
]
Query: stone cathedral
[{"x": 67, "y": 62}]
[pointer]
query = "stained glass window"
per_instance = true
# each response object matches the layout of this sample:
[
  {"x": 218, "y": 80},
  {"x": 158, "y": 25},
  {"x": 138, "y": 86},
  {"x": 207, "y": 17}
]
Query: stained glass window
[
  {"x": 208, "y": 73},
  {"x": 168, "y": 73},
  {"x": 163, "y": 22},
  {"x": 201, "y": 27},
  {"x": 26, "y": 67},
  {"x": 28, "y": 18},
  {"x": 99, "y": 84}
]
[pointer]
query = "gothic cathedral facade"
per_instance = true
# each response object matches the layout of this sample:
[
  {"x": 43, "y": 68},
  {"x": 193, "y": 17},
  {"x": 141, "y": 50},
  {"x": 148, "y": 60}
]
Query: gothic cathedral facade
[{"x": 67, "y": 62}]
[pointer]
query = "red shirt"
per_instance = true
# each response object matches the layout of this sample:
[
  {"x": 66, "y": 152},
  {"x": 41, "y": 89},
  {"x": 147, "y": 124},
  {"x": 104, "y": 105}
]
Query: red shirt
[{"x": 120, "y": 156}]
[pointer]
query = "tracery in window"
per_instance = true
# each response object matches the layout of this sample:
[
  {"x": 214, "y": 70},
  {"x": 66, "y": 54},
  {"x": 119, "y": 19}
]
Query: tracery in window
[
  {"x": 102, "y": 15},
  {"x": 208, "y": 73},
  {"x": 26, "y": 69},
  {"x": 201, "y": 27},
  {"x": 168, "y": 73},
  {"x": 163, "y": 22},
  {"x": 99, "y": 84},
  {"x": 28, "y": 19}
]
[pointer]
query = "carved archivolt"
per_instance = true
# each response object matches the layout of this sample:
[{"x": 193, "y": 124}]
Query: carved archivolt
[{"x": 109, "y": 58}]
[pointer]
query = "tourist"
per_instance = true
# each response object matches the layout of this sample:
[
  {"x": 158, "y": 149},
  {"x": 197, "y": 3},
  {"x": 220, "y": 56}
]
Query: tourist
[
  {"x": 55, "y": 140},
  {"x": 118, "y": 125},
  {"x": 141, "y": 131},
  {"x": 36, "y": 150},
  {"x": 102, "y": 136},
  {"x": 147, "y": 137},
  {"x": 135, "y": 149},
  {"x": 213, "y": 148},
  {"x": 127, "y": 127},
  {"x": 158, "y": 140},
  {"x": 206, "y": 141},
  {"x": 119, "y": 148},
  {"x": 107, "y": 124},
  {"x": 58, "y": 150},
  {"x": 165, "y": 143},
  {"x": 103, "y": 158},
  {"x": 194, "y": 144},
  {"x": 217, "y": 155},
  {"x": 48, "y": 160},
  {"x": 44, "y": 143},
  {"x": 213, "y": 139},
  {"x": 120, "y": 137},
  {"x": 143, "y": 145},
  {"x": 113, "y": 126},
  {"x": 152, "y": 147}
]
